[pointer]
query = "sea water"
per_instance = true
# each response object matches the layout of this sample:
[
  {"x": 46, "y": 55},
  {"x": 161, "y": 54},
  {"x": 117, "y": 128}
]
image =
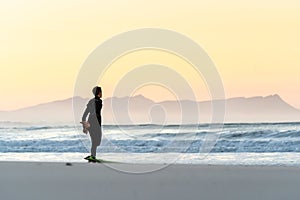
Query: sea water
[{"x": 232, "y": 144}]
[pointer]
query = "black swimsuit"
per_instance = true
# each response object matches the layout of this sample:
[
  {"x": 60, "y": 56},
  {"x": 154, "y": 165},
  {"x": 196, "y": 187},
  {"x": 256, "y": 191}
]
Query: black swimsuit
[{"x": 94, "y": 108}]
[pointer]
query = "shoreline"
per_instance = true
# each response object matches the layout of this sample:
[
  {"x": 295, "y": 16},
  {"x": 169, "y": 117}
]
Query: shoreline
[
  {"x": 236, "y": 159},
  {"x": 57, "y": 180},
  {"x": 71, "y": 163}
]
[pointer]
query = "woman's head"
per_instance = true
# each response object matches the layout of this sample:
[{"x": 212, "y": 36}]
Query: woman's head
[{"x": 97, "y": 91}]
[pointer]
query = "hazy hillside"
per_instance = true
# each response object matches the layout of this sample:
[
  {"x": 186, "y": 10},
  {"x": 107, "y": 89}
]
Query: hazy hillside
[{"x": 139, "y": 109}]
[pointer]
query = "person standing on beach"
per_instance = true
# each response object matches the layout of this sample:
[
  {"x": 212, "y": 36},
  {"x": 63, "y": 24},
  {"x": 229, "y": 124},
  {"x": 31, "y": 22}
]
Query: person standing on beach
[{"x": 93, "y": 125}]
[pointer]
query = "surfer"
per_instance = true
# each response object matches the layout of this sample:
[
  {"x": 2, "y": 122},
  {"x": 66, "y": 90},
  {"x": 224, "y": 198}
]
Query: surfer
[{"x": 93, "y": 125}]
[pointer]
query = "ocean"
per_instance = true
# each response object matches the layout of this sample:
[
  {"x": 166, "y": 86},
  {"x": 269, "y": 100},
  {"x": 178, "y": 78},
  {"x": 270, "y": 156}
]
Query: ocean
[{"x": 234, "y": 144}]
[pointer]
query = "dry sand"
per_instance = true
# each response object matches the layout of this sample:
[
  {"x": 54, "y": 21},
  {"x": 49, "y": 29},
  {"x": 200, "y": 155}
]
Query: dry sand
[{"x": 53, "y": 181}]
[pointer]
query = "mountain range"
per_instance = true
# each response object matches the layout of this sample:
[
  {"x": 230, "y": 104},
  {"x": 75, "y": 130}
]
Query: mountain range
[{"x": 141, "y": 110}]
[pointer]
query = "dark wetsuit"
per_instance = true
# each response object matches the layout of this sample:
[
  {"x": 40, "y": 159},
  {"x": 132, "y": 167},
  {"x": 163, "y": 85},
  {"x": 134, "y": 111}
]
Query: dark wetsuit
[{"x": 94, "y": 109}]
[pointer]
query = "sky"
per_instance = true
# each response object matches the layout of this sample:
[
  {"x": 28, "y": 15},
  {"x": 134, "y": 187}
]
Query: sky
[{"x": 255, "y": 45}]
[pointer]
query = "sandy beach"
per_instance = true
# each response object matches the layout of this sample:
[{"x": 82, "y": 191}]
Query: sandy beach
[{"x": 40, "y": 180}]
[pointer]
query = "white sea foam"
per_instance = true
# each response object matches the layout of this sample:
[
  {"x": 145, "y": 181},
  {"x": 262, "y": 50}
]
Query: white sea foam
[{"x": 241, "y": 141}]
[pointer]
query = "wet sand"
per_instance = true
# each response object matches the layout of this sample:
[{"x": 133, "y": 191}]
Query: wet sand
[{"x": 34, "y": 180}]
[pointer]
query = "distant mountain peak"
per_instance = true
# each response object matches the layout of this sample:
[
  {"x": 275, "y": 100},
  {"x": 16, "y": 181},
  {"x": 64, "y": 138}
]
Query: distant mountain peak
[
  {"x": 274, "y": 96},
  {"x": 140, "y": 96},
  {"x": 239, "y": 109}
]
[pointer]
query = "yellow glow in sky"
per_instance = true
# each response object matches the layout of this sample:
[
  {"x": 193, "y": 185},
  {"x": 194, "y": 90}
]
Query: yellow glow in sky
[
  {"x": 254, "y": 44},
  {"x": 125, "y": 65}
]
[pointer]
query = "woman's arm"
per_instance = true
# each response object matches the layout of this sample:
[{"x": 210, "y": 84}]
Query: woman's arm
[{"x": 86, "y": 112}]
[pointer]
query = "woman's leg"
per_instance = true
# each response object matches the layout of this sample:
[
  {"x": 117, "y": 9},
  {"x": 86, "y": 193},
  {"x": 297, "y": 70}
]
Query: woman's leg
[
  {"x": 96, "y": 134},
  {"x": 94, "y": 149}
]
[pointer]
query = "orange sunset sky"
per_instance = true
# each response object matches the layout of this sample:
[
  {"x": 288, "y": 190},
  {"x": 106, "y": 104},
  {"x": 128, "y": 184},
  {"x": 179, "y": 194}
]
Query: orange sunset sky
[{"x": 255, "y": 44}]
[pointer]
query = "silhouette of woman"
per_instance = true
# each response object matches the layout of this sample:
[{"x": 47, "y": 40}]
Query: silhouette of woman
[{"x": 93, "y": 125}]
